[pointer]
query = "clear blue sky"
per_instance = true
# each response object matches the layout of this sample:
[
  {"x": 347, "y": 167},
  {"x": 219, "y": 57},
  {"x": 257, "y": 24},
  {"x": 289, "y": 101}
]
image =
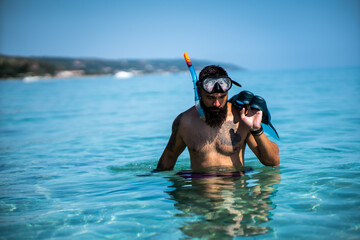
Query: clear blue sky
[{"x": 256, "y": 34}]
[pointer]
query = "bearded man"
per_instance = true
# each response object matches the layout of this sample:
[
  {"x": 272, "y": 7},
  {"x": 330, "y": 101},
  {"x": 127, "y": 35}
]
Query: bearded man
[{"x": 220, "y": 140}]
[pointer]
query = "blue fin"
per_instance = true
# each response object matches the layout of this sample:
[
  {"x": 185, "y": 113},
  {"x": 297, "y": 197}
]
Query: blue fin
[{"x": 247, "y": 98}]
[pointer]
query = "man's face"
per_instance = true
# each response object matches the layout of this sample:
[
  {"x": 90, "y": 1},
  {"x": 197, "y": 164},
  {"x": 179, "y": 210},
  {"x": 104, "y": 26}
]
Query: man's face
[
  {"x": 214, "y": 101},
  {"x": 215, "y": 107}
]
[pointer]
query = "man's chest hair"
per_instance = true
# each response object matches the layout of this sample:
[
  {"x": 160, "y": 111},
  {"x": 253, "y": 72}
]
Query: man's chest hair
[{"x": 227, "y": 136}]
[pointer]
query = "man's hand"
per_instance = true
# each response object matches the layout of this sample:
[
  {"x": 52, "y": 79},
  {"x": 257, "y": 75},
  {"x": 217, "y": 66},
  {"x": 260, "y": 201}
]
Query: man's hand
[
  {"x": 265, "y": 150},
  {"x": 252, "y": 118}
]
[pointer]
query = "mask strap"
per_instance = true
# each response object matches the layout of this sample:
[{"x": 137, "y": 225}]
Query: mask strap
[{"x": 237, "y": 84}]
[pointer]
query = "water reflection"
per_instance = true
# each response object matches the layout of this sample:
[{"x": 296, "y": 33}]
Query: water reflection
[{"x": 225, "y": 206}]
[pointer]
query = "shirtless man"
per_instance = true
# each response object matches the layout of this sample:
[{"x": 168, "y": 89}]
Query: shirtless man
[{"x": 220, "y": 140}]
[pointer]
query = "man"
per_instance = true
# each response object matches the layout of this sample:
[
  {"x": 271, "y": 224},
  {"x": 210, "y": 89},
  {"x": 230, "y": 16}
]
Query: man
[{"x": 220, "y": 140}]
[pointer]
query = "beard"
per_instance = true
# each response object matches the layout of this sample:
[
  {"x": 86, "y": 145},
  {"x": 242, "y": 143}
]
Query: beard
[{"x": 214, "y": 118}]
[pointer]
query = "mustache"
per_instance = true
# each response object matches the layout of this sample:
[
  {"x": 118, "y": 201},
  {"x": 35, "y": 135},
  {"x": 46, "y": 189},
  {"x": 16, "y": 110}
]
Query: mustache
[
  {"x": 215, "y": 108},
  {"x": 214, "y": 116}
]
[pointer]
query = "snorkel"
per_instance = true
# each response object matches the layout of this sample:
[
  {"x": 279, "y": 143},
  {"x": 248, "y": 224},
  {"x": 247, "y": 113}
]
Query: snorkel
[{"x": 194, "y": 78}]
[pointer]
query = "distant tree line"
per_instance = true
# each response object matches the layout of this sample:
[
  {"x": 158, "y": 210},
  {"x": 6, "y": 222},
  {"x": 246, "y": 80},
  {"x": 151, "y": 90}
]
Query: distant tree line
[
  {"x": 17, "y": 67},
  {"x": 20, "y": 67}
]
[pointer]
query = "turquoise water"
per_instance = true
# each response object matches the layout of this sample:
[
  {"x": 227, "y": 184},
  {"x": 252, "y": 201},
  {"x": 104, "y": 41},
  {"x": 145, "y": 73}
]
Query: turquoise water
[{"x": 71, "y": 150}]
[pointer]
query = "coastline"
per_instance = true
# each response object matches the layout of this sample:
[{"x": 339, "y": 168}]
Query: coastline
[
  {"x": 49, "y": 77},
  {"x": 32, "y": 68}
]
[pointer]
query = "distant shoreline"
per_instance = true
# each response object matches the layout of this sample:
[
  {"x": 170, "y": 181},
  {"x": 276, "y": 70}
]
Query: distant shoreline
[
  {"x": 13, "y": 67},
  {"x": 29, "y": 78}
]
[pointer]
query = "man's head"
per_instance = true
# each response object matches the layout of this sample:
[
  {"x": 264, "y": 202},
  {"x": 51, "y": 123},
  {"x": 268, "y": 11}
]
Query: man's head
[
  {"x": 214, "y": 84},
  {"x": 212, "y": 71},
  {"x": 214, "y": 79}
]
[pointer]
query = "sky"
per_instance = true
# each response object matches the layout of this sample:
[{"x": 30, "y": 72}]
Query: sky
[{"x": 256, "y": 34}]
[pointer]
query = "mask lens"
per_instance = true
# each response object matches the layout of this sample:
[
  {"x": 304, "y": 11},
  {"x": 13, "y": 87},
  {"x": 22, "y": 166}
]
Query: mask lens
[
  {"x": 209, "y": 83},
  {"x": 225, "y": 84}
]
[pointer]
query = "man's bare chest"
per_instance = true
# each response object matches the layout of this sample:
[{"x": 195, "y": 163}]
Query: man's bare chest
[{"x": 227, "y": 140}]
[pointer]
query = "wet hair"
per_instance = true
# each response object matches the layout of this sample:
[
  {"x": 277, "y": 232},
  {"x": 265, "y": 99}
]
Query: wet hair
[{"x": 212, "y": 71}]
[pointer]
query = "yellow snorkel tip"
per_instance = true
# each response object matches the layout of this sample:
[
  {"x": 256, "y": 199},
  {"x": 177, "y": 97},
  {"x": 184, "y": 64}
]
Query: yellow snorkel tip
[{"x": 187, "y": 59}]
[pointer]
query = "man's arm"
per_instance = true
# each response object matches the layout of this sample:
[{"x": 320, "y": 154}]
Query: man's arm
[
  {"x": 174, "y": 148},
  {"x": 265, "y": 150}
]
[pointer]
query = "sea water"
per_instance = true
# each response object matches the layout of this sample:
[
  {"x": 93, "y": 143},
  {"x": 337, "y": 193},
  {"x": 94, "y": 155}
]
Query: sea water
[{"x": 75, "y": 156}]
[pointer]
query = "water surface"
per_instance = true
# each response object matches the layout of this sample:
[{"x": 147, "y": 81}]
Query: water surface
[{"x": 71, "y": 151}]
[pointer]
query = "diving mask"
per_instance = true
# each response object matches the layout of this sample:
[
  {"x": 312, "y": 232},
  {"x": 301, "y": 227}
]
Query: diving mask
[{"x": 217, "y": 85}]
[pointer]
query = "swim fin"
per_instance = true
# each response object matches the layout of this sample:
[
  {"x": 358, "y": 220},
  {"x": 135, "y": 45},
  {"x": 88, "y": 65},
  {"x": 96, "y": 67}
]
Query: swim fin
[{"x": 247, "y": 98}]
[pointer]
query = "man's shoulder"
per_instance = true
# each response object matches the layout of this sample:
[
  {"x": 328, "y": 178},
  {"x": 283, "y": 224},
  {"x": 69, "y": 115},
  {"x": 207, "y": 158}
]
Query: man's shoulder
[
  {"x": 235, "y": 112},
  {"x": 187, "y": 116},
  {"x": 190, "y": 113}
]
